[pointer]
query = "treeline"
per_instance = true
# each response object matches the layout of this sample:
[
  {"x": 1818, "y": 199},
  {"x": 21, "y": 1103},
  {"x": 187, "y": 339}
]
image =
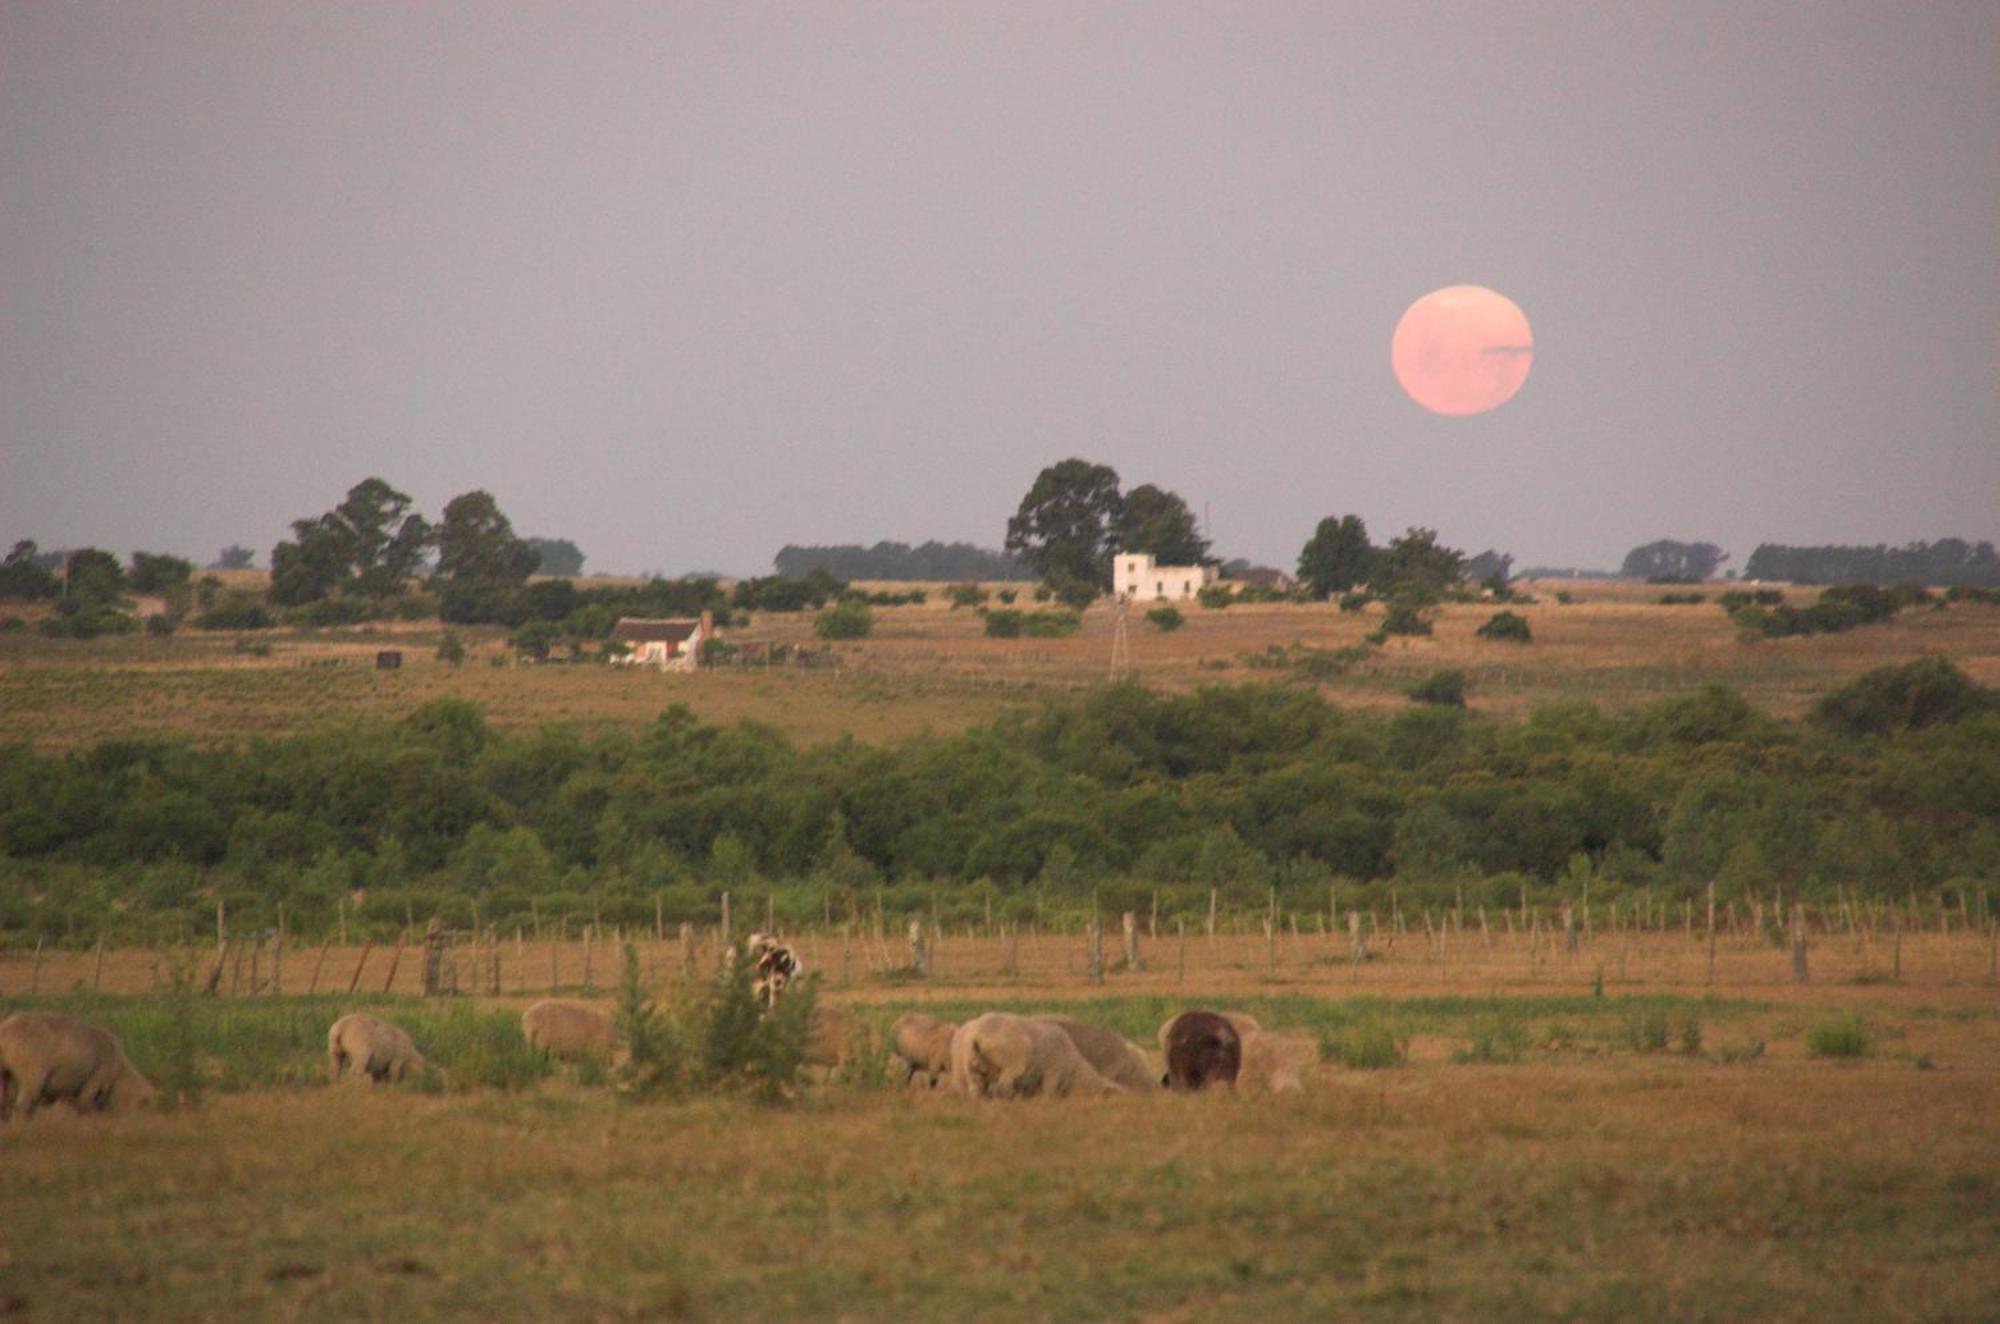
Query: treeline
[
  {"x": 1949, "y": 561},
  {"x": 1892, "y": 785},
  {"x": 897, "y": 560}
]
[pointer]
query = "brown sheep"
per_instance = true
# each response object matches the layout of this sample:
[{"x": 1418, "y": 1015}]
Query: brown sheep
[
  {"x": 570, "y": 1031},
  {"x": 46, "y": 1057},
  {"x": 1011, "y": 1057},
  {"x": 921, "y": 1045},
  {"x": 1203, "y": 1048},
  {"x": 371, "y": 1049},
  {"x": 1108, "y": 1054}
]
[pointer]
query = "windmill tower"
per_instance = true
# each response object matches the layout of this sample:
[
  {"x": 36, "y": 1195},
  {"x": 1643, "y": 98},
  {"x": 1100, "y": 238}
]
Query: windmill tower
[{"x": 1121, "y": 643}]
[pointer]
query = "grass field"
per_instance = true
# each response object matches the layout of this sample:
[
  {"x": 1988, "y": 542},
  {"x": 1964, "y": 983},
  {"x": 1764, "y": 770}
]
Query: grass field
[
  {"x": 927, "y": 667},
  {"x": 1604, "y": 1135},
  {"x": 1497, "y": 1128}
]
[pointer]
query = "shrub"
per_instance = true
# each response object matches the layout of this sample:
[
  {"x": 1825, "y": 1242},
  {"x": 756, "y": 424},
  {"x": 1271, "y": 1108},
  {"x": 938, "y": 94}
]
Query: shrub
[
  {"x": 1564, "y": 597},
  {"x": 161, "y": 625},
  {"x": 1367, "y": 1045},
  {"x": 1440, "y": 687},
  {"x": 1507, "y": 625},
  {"x": 1682, "y": 599},
  {"x": 1646, "y": 1030},
  {"x": 1354, "y": 602},
  {"x": 965, "y": 595},
  {"x": 1923, "y": 693},
  {"x": 1495, "y": 1039},
  {"x": 1166, "y": 619},
  {"x": 1004, "y": 624},
  {"x": 1214, "y": 596},
  {"x": 451, "y": 649},
  {"x": 1050, "y": 624},
  {"x": 1076, "y": 594},
  {"x": 1406, "y": 614},
  {"x": 1006, "y": 595},
  {"x": 850, "y": 620},
  {"x": 235, "y": 610},
  {"x": 1842, "y": 1037}
]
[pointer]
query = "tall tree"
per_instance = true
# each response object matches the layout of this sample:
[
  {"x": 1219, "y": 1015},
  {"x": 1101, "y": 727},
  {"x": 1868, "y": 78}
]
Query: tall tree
[
  {"x": 1067, "y": 523},
  {"x": 369, "y": 543},
  {"x": 559, "y": 556},
  {"x": 1677, "y": 562},
  {"x": 157, "y": 573},
  {"x": 24, "y": 576},
  {"x": 1157, "y": 521},
  {"x": 1336, "y": 557},
  {"x": 1418, "y": 560},
  {"x": 475, "y": 541}
]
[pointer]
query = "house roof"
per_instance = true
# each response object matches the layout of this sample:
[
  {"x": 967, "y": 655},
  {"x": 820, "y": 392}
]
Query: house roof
[{"x": 645, "y": 630}]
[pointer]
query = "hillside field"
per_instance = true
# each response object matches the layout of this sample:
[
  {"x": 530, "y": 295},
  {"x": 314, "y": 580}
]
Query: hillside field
[{"x": 930, "y": 667}]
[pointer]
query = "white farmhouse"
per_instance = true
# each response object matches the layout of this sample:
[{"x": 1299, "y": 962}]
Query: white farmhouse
[
  {"x": 1136, "y": 575},
  {"x": 671, "y": 644}
]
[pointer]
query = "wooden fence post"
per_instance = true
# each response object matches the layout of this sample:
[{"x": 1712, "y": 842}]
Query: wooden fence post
[
  {"x": 1798, "y": 944},
  {"x": 1131, "y": 924},
  {"x": 920, "y": 961},
  {"x": 312, "y": 985},
  {"x": 1094, "y": 950},
  {"x": 367, "y": 945},
  {"x": 395, "y": 959}
]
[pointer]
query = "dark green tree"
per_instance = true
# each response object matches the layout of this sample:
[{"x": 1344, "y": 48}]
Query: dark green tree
[
  {"x": 1157, "y": 521},
  {"x": 1667, "y": 561},
  {"x": 1337, "y": 557},
  {"x": 24, "y": 576},
  {"x": 159, "y": 574},
  {"x": 370, "y": 544},
  {"x": 1419, "y": 560},
  {"x": 476, "y": 542},
  {"x": 95, "y": 579},
  {"x": 233, "y": 557},
  {"x": 560, "y": 556},
  {"x": 1067, "y": 523}
]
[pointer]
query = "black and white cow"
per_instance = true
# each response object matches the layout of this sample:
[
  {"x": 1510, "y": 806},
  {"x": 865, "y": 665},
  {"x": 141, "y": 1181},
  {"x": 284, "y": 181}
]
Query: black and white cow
[{"x": 776, "y": 965}]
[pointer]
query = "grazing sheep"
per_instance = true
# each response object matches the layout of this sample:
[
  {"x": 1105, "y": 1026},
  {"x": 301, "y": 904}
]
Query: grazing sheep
[
  {"x": 1108, "y": 1054},
  {"x": 371, "y": 1049},
  {"x": 1275, "y": 1063},
  {"x": 46, "y": 1057},
  {"x": 570, "y": 1031},
  {"x": 922, "y": 1046},
  {"x": 1012, "y": 1057},
  {"x": 1203, "y": 1048}
]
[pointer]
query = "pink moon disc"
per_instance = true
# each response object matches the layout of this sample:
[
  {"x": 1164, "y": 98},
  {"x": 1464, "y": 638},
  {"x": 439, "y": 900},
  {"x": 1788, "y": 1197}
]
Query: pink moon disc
[{"x": 1462, "y": 350}]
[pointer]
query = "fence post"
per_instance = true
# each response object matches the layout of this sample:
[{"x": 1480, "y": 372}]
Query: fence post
[
  {"x": 1094, "y": 950},
  {"x": 367, "y": 945},
  {"x": 1711, "y": 930},
  {"x": 1131, "y": 923},
  {"x": 395, "y": 959},
  {"x": 436, "y": 938},
  {"x": 1798, "y": 944},
  {"x": 920, "y": 960},
  {"x": 1569, "y": 929}
]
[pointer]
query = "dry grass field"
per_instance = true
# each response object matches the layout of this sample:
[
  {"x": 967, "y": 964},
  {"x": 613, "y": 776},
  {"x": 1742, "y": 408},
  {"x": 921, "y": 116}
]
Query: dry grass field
[
  {"x": 928, "y": 667},
  {"x": 1535, "y": 1152},
  {"x": 1497, "y": 1129}
]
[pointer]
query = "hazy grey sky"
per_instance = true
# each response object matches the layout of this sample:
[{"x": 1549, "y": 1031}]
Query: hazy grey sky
[{"x": 686, "y": 282}]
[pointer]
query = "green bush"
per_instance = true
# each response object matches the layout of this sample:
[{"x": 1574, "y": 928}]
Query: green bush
[
  {"x": 1507, "y": 625},
  {"x": 1166, "y": 619},
  {"x": 1004, "y": 624},
  {"x": 1494, "y": 1039},
  {"x": 235, "y": 610},
  {"x": 1406, "y": 613},
  {"x": 1214, "y": 596},
  {"x": 1843, "y": 1037},
  {"x": 1050, "y": 624},
  {"x": 1445, "y": 687},
  {"x": 1366, "y": 1045},
  {"x": 1354, "y": 602},
  {"x": 850, "y": 620},
  {"x": 965, "y": 595}
]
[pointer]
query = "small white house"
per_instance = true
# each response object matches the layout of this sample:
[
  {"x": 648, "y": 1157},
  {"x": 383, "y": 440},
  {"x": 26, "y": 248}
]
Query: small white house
[
  {"x": 671, "y": 644},
  {"x": 1138, "y": 576}
]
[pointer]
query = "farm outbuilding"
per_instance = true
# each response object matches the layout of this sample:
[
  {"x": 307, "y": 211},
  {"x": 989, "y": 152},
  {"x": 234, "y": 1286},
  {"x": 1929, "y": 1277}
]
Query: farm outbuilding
[
  {"x": 1138, "y": 575},
  {"x": 671, "y": 644}
]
